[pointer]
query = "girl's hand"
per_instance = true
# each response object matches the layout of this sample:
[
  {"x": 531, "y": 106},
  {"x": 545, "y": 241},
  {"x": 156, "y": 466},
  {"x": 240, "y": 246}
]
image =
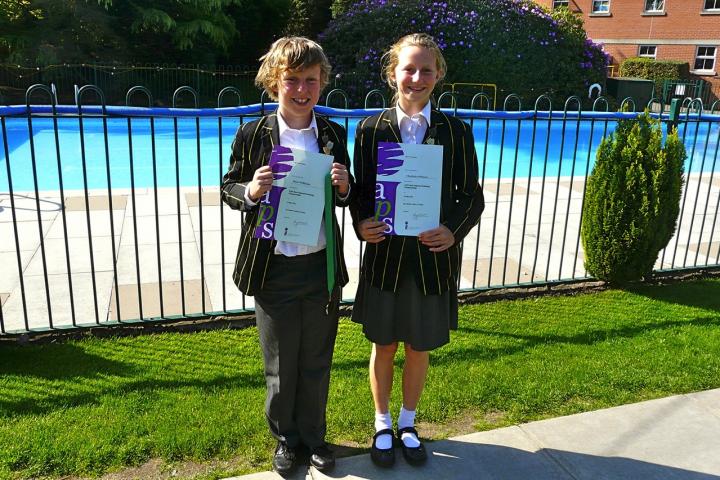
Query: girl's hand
[
  {"x": 438, "y": 239},
  {"x": 340, "y": 178},
  {"x": 261, "y": 183},
  {"x": 372, "y": 231}
]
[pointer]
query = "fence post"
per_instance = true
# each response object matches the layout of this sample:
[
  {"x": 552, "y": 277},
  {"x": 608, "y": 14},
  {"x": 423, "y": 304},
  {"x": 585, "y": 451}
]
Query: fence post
[{"x": 674, "y": 116}]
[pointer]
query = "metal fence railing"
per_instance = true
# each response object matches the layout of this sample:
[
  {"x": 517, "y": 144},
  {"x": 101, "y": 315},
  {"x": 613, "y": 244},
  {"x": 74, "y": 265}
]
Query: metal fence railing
[
  {"x": 113, "y": 214},
  {"x": 115, "y": 79}
]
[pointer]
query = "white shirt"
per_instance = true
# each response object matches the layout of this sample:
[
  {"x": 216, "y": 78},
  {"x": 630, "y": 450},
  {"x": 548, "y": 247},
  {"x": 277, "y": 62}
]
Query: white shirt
[
  {"x": 304, "y": 139},
  {"x": 413, "y": 128}
]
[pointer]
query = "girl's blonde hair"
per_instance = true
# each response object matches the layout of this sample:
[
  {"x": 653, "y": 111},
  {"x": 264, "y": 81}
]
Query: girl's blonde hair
[
  {"x": 390, "y": 59},
  {"x": 290, "y": 53}
]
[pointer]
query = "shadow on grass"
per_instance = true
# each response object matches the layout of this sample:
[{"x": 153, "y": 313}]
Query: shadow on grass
[
  {"x": 699, "y": 294},
  {"x": 484, "y": 353},
  {"x": 60, "y": 376},
  {"x": 586, "y": 338}
]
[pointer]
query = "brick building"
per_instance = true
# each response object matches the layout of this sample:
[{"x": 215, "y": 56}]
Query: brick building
[{"x": 686, "y": 30}]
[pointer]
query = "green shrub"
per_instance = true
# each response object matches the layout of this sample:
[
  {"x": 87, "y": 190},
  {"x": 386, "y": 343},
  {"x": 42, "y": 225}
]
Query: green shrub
[
  {"x": 632, "y": 200},
  {"x": 514, "y": 44},
  {"x": 655, "y": 70}
]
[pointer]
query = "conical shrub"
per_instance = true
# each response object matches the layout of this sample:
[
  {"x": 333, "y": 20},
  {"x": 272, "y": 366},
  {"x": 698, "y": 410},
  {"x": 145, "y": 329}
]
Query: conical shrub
[{"x": 632, "y": 200}]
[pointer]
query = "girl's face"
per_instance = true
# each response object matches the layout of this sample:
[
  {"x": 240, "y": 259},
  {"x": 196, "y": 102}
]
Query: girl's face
[
  {"x": 298, "y": 92},
  {"x": 415, "y": 76}
]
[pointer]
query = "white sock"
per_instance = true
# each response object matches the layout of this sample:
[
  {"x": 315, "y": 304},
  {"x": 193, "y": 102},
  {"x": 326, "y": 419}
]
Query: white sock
[
  {"x": 383, "y": 421},
  {"x": 407, "y": 419}
]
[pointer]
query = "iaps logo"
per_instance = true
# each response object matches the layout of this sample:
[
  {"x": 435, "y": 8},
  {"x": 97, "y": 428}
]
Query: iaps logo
[
  {"x": 281, "y": 162},
  {"x": 389, "y": 161}
]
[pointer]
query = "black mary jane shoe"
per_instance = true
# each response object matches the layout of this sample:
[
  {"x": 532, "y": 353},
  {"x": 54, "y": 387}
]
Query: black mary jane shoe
[
  {"x": 413, "y": 455},
  {"x": 382, "y": 457}
]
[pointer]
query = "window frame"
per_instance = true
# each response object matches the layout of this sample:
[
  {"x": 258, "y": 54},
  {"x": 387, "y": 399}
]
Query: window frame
[
  {"x": 710, "y": 71},
  {"x": 593, "y": 11},
  {"x": 565, "y": 4},
  {"x": 654, "y": 10},
  {"x": 713, "y": 9},
  {"x": 646, "y": 55}
]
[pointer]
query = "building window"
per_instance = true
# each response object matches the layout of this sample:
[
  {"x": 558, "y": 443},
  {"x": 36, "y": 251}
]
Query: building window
[
  {"x": 705, "y": 59},
  {"x": 560, "y": 3},
  {"x": 712, "y": 5},
  {"x": 602, "y": 6},
  {"x": 655, "y": 5},
  {"x": 647, "y": 51}
]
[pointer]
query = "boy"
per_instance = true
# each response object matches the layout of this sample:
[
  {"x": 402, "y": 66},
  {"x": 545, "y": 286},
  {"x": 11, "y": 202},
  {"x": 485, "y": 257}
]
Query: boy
[{"x": 296, "y": 324}]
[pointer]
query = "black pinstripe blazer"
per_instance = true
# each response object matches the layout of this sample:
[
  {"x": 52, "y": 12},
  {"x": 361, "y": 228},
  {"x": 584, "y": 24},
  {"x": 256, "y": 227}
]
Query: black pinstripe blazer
[
  {"x": 462, "y": 201},
  {"x": 251, "y": 149}
]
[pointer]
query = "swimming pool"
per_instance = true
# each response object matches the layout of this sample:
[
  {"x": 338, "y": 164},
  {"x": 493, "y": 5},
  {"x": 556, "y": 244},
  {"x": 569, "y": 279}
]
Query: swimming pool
[{"x": 505, "y": 148}]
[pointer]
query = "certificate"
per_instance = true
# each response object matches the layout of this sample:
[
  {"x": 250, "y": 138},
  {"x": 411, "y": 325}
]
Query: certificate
[
  {"x": 408, "y": 187},
  {"x": 291, "y": 211}
]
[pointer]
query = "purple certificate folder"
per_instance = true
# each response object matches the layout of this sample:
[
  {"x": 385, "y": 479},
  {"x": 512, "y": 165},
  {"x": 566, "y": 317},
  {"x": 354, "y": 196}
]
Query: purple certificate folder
[
  {"x": 291, "y": 211},
  {"x": 408, "y": 187},
  {"x": 281, "y": 162}
]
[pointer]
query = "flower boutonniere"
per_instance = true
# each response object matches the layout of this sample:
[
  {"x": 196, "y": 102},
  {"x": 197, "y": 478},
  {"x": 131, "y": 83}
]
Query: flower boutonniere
[
  {"x": 431, "y": 136},
  {"x": 328, "y": 145}
]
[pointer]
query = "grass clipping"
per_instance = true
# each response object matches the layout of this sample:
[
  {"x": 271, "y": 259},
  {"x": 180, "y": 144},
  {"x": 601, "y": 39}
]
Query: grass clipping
[{"x": 632, "y": 200}]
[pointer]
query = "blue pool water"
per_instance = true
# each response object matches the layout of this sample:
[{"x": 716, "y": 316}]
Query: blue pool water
[{"x": 503, "y": 155}]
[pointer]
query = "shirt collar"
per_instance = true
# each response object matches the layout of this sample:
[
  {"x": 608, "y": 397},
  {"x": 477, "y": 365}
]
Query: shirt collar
[
  {"x": 425, "y": 113},
  {"x": 283, "y": 126}
]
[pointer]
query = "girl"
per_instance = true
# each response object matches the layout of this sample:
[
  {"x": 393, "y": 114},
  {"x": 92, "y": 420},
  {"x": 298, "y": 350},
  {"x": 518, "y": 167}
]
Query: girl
[
  {"x": 297, "y": 326},
  {"x": 407, "y": 287}
]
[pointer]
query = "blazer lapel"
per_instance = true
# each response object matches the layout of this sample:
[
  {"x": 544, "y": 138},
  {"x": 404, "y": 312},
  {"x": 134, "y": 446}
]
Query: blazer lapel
[
  {"x": 437, "y": 123},
  {"x": 390, "y": 121},
  {"x": 324, "y": 136},
  {"x": 270, "y": 135}
]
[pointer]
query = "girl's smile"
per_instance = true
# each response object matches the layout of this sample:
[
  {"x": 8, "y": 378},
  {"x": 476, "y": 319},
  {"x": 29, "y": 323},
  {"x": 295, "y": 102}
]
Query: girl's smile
[{"x": 415, "y": 75}]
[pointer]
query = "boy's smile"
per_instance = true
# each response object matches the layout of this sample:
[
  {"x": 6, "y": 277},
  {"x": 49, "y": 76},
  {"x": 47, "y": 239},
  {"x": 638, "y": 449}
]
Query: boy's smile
[{"x": 298, "y": 92}]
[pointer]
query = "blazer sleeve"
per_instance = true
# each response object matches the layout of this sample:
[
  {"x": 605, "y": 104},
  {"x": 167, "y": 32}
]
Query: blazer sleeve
[
  {"x": 467, "y": 193},
  {"x": 239, "y": 174},
  {"x": 340, "y": 153}
]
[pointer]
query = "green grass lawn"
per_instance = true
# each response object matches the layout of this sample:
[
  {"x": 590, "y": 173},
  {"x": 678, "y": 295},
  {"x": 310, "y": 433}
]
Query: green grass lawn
[{"x": 98, "y": 405}]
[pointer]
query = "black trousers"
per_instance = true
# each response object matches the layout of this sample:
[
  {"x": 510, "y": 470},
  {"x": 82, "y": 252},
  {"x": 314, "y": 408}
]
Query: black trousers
[{"x": 297, "y": 337}]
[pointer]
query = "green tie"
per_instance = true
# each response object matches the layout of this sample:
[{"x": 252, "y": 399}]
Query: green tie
[{"x": 329, "y": 234}]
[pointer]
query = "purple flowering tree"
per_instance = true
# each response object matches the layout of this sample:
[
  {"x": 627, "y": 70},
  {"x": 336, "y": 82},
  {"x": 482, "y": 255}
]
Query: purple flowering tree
[{"x": 514, "y": 44}]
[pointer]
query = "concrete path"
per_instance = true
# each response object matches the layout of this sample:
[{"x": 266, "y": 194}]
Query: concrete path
[{"x": 670, "y": 438}]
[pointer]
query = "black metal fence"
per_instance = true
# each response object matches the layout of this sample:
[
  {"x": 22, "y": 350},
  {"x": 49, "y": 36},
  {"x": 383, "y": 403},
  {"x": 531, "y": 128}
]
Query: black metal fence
[
  {"x": 111, "y": 215},
  {"x": 114, "y": 80}
]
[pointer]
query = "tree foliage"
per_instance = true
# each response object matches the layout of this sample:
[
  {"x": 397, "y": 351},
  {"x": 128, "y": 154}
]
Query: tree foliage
[
  {"x": 308, "y": 17},
  {"x": 632, "y": 200},
  {"x": 513, "y": 44},
  {"x": 42, "y": 32}
]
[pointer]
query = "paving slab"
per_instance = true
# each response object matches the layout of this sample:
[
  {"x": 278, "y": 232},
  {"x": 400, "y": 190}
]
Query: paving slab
[{"x": 670, "y": 438}]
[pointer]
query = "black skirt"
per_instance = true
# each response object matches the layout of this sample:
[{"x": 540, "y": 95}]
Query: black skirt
[{"x": 408, "y": 315}]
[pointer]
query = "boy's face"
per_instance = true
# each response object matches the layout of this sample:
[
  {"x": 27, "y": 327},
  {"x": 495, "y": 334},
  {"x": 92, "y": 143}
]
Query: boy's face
[{"x": 298, "y": 92}]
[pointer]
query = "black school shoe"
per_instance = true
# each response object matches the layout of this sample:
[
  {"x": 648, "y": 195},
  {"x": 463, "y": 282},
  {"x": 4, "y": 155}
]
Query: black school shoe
[
  {"x": 322, "y": 458},
  {"x": 416, "y": 455},
  {"x": 284, "y": 459},
  {"x": 382, "y": 457}
]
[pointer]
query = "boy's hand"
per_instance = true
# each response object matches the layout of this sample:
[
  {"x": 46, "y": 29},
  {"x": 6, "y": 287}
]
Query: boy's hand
[
  {"x": 372, "y": 231},
  {"x": 261, "y": 183},
  {"x": 340, "y": 178},
  {"x": 438, "y": 239}
]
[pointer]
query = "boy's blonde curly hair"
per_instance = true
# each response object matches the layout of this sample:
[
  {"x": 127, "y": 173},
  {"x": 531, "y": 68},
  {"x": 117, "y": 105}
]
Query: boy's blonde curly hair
[{"x": 290, "y": 53}]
